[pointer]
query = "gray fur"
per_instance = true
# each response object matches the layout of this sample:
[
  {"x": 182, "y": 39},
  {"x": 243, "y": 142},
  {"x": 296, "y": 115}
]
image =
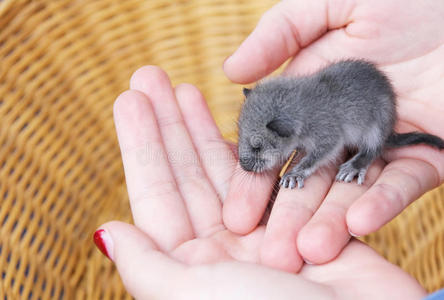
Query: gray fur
[{"x": 347, "y": 104}]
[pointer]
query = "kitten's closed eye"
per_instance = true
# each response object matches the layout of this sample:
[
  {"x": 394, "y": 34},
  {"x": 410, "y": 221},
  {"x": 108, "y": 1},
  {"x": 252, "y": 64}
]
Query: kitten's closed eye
[{"x": 282, "y": 127}]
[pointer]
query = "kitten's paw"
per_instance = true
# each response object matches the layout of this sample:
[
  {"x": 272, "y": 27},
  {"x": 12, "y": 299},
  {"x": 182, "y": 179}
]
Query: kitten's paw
[
  {"x": 289, "y": 180},
  {"x": 347, "y": 172}
]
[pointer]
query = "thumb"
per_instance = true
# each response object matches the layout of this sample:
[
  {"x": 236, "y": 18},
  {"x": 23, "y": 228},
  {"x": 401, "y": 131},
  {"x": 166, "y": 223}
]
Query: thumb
[
  {"x": 142, "y": 267},
  {"x": 281, "y": 32}
]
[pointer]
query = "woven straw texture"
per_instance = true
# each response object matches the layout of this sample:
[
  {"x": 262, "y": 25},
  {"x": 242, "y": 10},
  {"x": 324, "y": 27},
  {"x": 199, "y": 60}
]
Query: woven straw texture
[{"x": 62, "y": 64}]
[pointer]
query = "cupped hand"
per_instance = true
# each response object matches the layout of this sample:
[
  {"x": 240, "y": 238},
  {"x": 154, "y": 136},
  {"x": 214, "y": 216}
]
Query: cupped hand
[
  {"x": 405, "y": 38},
  {"x": 177, "y": 167},
  {"x": 151, "y": 273}
]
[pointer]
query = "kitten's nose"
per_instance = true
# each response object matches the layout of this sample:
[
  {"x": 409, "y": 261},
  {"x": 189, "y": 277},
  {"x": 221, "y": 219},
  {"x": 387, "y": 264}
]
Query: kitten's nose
[{"x": 247, "y": 163}]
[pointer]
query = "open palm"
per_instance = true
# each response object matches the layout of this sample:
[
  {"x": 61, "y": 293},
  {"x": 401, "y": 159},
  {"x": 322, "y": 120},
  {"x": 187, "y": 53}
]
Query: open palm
[
  {"x": 177, "y": 167},
  {"x": 405, "y": 38}
]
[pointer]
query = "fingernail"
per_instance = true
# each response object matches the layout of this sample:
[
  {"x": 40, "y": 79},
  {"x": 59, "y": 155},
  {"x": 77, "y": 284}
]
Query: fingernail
[
  {"x": 104, "y": 242},
  {"x": 225, "y": 60},
  {"x": 352, "y": 234},
  {"x": 308, "y": 262}
]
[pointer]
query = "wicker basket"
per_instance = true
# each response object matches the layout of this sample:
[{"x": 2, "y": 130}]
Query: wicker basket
[{"x": 62, "y": 64}]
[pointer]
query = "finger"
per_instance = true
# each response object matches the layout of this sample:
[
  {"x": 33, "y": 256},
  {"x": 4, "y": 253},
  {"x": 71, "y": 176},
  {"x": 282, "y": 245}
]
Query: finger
[
  {"x": 358, "y": 259},
  {"x": 142, "y": 267},
  {"x": 215, "y": 153},
  {"x": 326, "y": 234},
  {"x": 153, "y": 194},
  {"x": 401, "y": 182},
  {"x": 234, "y": 150},
  {"x": 203, "y": 205},
  {"x": 292, "y": 209},
  {"x": 281, "y": 33},
  {"x": 247, "y": 198}
]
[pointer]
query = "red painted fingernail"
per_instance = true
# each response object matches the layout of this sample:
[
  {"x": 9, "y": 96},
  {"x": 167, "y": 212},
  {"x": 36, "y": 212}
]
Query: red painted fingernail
[{"x": 103, "y": 242}]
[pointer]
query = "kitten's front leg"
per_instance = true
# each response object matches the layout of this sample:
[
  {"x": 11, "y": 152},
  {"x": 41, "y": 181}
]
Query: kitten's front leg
[{"x": 307, "y": 166}]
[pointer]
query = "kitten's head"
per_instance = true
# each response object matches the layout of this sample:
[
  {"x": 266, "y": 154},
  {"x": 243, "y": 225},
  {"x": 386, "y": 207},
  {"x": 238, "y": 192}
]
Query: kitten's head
[{"x": 265, "y": 137}]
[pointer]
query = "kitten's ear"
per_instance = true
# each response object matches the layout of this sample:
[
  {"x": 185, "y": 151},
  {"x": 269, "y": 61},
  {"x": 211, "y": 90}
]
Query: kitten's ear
[
  {"x": 246, "y": 92},
  {"x": 282, "y": 127}
]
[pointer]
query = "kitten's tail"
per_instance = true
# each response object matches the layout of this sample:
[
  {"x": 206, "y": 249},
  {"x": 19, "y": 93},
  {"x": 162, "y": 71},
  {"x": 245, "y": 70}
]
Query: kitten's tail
[{"x": 413, "y": 138}]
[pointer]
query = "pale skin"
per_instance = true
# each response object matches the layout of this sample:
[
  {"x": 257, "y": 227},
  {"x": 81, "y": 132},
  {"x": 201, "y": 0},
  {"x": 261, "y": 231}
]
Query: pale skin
[
  {"x": 179, "y": 247},
  {"x": 405, "y": 38}
]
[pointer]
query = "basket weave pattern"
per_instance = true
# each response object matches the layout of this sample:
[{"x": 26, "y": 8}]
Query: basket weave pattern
[{"x": 62, "y": 64}]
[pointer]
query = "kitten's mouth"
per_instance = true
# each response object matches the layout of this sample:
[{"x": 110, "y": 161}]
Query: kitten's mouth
[
  {"x": 252, "y": 164},
  {"x": 259, "y": 168}
]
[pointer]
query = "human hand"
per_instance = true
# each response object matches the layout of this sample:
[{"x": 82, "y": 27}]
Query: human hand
[
  {"x": 150, "y": 273},
  {"x": 176, "y": 164},
  {"x": 405, "y": 38}
]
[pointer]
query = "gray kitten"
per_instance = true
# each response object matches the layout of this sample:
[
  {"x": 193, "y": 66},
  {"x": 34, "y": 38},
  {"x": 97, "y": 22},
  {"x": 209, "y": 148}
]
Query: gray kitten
[{"x": 347, "y": 104}]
